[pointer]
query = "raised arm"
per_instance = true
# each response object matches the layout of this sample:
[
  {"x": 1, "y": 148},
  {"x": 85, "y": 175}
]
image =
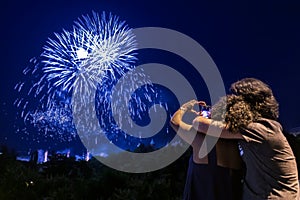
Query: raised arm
[
  {"x": 176, "y": 119},
  {"x": 183, "y": 129},
  {"x": 217, "y": 128}
]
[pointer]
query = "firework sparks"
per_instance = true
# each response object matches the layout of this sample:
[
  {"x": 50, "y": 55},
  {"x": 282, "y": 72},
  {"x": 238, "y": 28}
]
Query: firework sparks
[
  {"x": 93, "y": 56},
  {"x": 98, "y": 48}
]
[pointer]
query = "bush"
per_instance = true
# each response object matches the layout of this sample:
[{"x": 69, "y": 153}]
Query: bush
[{"x": 70, "y": 180}]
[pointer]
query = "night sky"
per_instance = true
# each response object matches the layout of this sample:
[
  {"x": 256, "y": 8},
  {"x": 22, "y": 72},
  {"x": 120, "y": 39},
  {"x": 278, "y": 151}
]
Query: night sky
[{"x": 244, "y": 38}]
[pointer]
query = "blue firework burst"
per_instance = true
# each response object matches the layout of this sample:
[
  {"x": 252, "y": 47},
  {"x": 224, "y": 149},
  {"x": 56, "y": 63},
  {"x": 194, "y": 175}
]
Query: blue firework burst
[
  {"x": 93, "y": 56},
  {"x": 97, "y": 46},
  {"x": 96, "y": 52}
]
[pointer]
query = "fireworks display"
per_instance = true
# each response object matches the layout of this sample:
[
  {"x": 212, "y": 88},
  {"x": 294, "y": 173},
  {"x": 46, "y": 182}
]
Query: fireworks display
[
  {"x": 95, "y": 54},
  {"x": 97, "y": 47}
]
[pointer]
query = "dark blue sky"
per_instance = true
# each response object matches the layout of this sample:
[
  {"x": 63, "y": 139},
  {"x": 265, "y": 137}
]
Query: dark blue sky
[{"x": 245, "y": 39}]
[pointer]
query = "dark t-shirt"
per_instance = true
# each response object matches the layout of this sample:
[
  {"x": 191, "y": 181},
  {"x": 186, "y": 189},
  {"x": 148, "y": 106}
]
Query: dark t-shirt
[{"x": 271, "y": 166}]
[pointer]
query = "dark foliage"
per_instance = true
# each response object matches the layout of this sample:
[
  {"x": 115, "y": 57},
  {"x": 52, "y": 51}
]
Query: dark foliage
[
  {"x": 67, "y": 179},
  {"x": 295, "y": 145}
]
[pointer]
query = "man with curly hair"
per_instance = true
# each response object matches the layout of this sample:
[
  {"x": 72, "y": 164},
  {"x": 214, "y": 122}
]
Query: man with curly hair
[{"x": 251, "y": 118}]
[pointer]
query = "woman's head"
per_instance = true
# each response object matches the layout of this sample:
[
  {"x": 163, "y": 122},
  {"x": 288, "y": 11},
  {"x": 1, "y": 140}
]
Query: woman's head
[
  {"x": 250, "y": 100},
  {"x": 237, "y": 113}
]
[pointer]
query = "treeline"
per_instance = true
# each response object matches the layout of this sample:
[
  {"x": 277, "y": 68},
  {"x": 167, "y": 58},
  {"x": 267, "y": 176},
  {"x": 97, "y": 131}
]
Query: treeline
[
  {"x": 295, "y": 145},
  {"x": 67, "y": 179}
]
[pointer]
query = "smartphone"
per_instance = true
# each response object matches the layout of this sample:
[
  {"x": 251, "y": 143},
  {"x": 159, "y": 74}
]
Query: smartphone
[{"x": 205, "y": 111}]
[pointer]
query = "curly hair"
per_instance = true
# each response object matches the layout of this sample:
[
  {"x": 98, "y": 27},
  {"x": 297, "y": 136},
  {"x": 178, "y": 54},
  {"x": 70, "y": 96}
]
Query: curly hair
[
  {"x": 236, "y": 112},
  {"x": 250, "y": 100}
]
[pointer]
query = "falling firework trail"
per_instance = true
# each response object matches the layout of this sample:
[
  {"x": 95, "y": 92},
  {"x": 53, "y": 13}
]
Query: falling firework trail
[{"x": 95, "y": 54}]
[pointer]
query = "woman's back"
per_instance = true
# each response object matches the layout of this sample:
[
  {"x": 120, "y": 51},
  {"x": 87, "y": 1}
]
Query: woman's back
[{"x": 216, "y": 176}]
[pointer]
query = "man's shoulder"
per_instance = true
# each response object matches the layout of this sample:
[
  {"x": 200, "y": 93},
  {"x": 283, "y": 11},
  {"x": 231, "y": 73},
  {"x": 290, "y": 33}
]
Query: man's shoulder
[{"x": 264, "y": 123}]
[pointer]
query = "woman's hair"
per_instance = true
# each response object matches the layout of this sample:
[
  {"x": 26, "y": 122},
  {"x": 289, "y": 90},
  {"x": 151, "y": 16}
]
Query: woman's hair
[{"x": 250, "y": 100}]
